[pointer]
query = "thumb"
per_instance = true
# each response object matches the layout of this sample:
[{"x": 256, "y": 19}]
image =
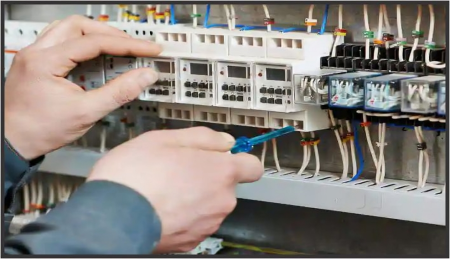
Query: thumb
[{"x": 119, "y": 91}]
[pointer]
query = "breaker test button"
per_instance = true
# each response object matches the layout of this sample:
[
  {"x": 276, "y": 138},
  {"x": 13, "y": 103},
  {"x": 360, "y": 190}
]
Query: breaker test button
[
  {"x": 165, "y": 83},
  {"x": 278, "y": 91},
  {"x": 202, "y": 95},
  {"x": 278, "y": 101},
  {"x": 159, "y": 92},
  {"x": 165, "y": 92},
  {"x": 271, "y": 100},
  {"x": 194, "y": 85},
  {"x": 188, "y": 93},
  {"x": 225, "y": 87},
  {"x": 232, "y": 97},
  {"x": 239, "y": 88},
  {"x": 187, "y": 84},
  {"x": 195, "y": 94},
  {"x": 225, "y": 97},
  {"x": 202, "y": 86},
  {"x": 271, "y": 91},
  {"x": 240, "y": 98},
  {"x": 152, "y": 91},
  {"x": 232, "y": 87},
  {"x": 263, "y": 90},
  {"x": 263, "y": 100}
]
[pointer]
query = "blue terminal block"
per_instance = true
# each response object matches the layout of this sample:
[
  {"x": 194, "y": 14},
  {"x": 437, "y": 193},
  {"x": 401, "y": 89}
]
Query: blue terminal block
[
  {"x": 383, "y": 93},
  {"x": 244, "y": 144},
  {"x": 347, "y": 90}
]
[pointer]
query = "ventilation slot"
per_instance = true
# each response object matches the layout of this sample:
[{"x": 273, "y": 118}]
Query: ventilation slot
[
  {"x": 182, "y": 37},
  {"x": 389, "y": 185},
  {"x": 163, "y": 36},
  {"x": 257, "y": 42},
  {"x": 237, "y": 40}
]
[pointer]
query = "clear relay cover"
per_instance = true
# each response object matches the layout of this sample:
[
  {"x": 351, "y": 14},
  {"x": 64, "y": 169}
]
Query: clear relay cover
[
  {"x": 420, "y": 95},
  {"x": 441, "y": 99},
  {"x": 347, "y": 90},
  {"x": 383, "y": 93},
  {"x": 312, "y": 88}
]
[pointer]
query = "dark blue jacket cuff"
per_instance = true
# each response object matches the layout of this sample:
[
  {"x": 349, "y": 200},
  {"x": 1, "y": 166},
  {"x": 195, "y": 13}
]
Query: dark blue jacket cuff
[{"x": 101, "y": 217}]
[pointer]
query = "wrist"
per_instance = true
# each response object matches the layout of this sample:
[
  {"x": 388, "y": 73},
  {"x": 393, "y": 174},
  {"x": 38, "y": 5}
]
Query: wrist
[{"x": 19, "y": 140}]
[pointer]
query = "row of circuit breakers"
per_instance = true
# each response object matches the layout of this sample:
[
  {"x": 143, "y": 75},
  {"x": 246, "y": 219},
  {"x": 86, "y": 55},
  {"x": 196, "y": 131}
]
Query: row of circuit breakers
[{"x": 271, "y": 87}]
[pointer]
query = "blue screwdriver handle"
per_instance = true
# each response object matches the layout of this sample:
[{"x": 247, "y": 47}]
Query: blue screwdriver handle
[{"x": 244, "y": 144}]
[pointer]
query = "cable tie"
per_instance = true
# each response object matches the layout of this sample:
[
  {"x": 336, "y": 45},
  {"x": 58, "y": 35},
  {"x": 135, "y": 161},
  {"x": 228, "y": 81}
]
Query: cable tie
[
  {"x": 310, "y": 22},
  {"x": 421, "y": 146},
  {"x": 196, "y": 15},
  {"x": 340, "y": 32},
  {"x": 103, "y": 17},
  {"x": 159, "y": 16},
  {"x": 369, "y": 34},
  {"x": 269, "y": 21},
  {"x": 365, "y": 124},
  {"x": 417, "y": 34},
  {"x": 336, "y": 127},
  {"x": 388, "y": 37},
  {"x": 400, "y": 41},
  {"x": 430, "y": 44},
  {"x": 314, "y": 141}
]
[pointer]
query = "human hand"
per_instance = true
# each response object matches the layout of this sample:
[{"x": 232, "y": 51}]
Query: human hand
[
  {"x": 186, "y": 175},
  {"x": 43, "y": 110}
]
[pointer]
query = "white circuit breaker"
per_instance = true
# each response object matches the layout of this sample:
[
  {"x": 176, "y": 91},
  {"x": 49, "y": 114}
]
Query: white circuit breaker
[
  {"x": 234, "y": 85},
  {"x": 115, "y": 66},
  {"x": 196, "y": 82},
  {"x": 90, "y": 74},
  {"x": 273, "y": 88},
  {"x": 164, "y": 90}
]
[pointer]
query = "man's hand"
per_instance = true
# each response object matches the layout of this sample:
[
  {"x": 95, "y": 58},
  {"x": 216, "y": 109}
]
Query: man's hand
[
  {"x": 186, "y": 175},
  {"x": 43, "y": 110}
]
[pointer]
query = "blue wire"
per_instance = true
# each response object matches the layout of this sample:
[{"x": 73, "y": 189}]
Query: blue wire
[
  {"x": 172, "y": 14},
  {"x": 248, "y": 28},
  {"x": 297, "y": 29},
  {"x": 222, "y": 25},
  {"x": 324, "y": 20},
  {"x": 359, "y": 152},
  {"x": 208, "y": 10}
]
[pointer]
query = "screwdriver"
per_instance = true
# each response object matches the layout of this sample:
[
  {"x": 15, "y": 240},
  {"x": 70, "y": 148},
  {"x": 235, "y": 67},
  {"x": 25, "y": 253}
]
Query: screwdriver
[{"x": 244, "y": 144}]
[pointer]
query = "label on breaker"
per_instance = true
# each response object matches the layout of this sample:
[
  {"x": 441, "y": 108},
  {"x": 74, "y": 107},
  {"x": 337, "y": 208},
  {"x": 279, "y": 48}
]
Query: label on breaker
[{"x": 115, "y": 66}]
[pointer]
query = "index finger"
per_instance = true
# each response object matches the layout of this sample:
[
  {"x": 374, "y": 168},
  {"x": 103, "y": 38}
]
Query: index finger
[
  {"x": 73, "y": 27},
  {"x": 248, "y": 168},
  {"x": 93, "y": 45}
]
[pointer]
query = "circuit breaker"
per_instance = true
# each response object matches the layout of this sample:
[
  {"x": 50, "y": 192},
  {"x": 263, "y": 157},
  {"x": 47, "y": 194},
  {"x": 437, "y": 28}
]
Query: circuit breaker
[
  {"x": 234, "y": 85},
  {"x": 197, "y": 84},
  {"x": 164, "y": 89}
]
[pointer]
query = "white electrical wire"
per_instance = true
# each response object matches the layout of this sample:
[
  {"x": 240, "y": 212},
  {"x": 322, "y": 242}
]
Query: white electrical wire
[
  {"x": 275, "y": 154},
  {"x": 33, "y": 186},
  {"x": 380, "y": 31},
  {"x": 266, "y": 12},
  {"x": 338, "y": 37},
  {"x": 352, "y": 148},
  {"x": 84, "y": 142},
  {"x": 167, "y": 18},
  {"x": 134, "y": 10},
  {"x": 233, "y": 17},
  {"x": 103, "y": 139},
  {"x": 345, "y": 166},
  {"x": 369, "y": 140},
  {"x": 316, "y": 154},
  {"x": 228, "y": 16},
  {"x": 420, "y": 169},
  {"x": 367, "y": 28},
  {"x": 310, "y": 16},
  {"x": 263, "y": 154},
  {"x": 400, "y": 31},
  {"x": 305, "y": 157},
  {"x": 119, "y": 13},
  {"x": 338, "y": 138},
  {"x": 423, "y": 157},
  {"x": 158, "y": 10},
  {"x": 417, "y": 28},
  {"x": 432, "y": 64},
  {"x": 387, "y": 25},
  {"x": 26, "y": 199},
  {"x": 103, "y": 10},
  {"x": 39, "y": 198},
  {"x": 150, "y": 16},
  {"x": 89, "y": 10},
  {"x": 194, "y": 19},
  {"x": 379, "y": 178},
  {"x": 51, "y": 193}
]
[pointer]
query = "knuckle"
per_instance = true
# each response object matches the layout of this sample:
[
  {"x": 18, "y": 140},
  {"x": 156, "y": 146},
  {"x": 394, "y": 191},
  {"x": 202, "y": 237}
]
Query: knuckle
[{"x": 75, "y": 18}]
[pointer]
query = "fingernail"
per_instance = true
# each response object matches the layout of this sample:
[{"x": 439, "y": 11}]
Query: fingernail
[{"x": 228, "y": 138}]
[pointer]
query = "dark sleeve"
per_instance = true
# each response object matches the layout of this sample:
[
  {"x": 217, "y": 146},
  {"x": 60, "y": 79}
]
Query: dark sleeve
[
  {"x": 16, "y": 172},
  {"x": 100, "y": 217}
]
